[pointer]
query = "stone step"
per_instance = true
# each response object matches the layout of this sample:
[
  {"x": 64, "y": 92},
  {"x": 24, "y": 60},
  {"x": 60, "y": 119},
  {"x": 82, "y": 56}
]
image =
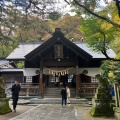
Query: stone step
[
  {"x": 57, "y": 101},
  {"x": 56, "y": 96},
  {"x": 58, "y": 88},
  {"x": 53, "y": 96},
  {"x": 56, "y": 93}
]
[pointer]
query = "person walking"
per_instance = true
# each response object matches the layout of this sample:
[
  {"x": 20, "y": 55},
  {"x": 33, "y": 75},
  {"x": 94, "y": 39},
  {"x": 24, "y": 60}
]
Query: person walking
[
  {"x": 64, "y": 96},
  {"x": 68, "y": 95},
  {"x": 15, "y": 94}
]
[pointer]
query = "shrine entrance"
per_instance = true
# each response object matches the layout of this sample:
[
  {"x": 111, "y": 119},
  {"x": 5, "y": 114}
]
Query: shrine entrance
[
  {"x": 59, "y": 61},
  {"x": 60, "y": 81}
]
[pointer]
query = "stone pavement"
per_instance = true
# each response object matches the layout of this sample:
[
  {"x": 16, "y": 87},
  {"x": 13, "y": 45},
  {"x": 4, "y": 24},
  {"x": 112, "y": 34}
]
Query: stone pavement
[
  {"x": 57, "y": 112},
  {"x": 48, "y": 112}
]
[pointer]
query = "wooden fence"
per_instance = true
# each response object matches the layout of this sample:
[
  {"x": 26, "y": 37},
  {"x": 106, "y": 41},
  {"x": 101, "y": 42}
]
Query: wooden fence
[
  {"x": 87, "y": 90},
  {"x": 29, "y": 89}
]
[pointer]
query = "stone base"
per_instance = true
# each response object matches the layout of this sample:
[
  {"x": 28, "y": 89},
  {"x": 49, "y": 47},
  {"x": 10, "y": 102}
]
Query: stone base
[
  {"x": 4, "y": 106},
  {"x": 40, "y": 97},
  {"x": 117, "y": 113},
  {"x": 102, "y": 108},
  {"x": 77, "y": 95},
  {"x": 57, "y": 101}
]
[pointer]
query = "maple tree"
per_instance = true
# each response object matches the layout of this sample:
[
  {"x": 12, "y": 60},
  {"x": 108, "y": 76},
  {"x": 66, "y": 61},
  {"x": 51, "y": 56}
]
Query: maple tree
[
  {"x": 100, "y": 34},
  {"x": 89, "y": 7}
]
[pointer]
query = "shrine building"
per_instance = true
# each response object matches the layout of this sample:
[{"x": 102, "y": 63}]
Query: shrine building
[{"x": 58, "y": 62}]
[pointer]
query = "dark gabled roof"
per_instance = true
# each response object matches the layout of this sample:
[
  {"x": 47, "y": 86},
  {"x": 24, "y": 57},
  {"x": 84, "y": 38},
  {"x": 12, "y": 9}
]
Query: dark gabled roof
[
  {"x": 58, "y": 36},
  {"x": 26, "y": 50}
]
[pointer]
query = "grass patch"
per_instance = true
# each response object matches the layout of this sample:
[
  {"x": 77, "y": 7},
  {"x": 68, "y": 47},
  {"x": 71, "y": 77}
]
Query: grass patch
[{"x": 82, "y": 105}]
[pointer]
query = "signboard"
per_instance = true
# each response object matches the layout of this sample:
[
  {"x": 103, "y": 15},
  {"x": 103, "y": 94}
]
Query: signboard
[{"x": 58, "y": 50}]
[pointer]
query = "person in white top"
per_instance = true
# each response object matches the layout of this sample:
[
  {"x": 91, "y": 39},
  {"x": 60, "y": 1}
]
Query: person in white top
[{"x": 68, "y": 95}]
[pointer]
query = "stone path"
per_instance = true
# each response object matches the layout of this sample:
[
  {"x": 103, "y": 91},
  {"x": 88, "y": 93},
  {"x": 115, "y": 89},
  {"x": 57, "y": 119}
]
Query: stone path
[
  {"x": 57, "y": 112},
  {"x": 51, "y": 112},
  {"x": 48, "y": 112}
]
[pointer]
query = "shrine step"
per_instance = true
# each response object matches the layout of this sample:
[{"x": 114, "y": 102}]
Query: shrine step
[{"x": 56, "y": 93}]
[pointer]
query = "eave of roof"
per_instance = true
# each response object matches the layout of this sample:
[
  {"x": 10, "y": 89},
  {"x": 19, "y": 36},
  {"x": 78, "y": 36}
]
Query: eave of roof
[
  {"x": 22, "y": 50},
  {"x": 3, "y": 62},
  {"x": 19, "y": 54},
  {"x": 11, "y": 70}
]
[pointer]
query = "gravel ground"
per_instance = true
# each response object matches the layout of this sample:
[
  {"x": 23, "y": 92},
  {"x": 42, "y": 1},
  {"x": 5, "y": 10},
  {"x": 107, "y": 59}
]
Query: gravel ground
[{"x": 73, "y": 112}]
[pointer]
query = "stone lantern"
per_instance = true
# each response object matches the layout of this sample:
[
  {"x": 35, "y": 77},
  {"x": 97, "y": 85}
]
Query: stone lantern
[{"x": 102, "y": 102}]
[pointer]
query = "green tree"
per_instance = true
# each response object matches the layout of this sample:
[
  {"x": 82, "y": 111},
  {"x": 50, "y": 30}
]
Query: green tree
[
  {"x": 91, "y": 8},
  {"x": 100, "y": 34},
  {"x": 54, "y": 15},
  {"x": 111, "y": 70},
  {"x": 70, "y": 27},
  {"x": 34, "y": 30}
]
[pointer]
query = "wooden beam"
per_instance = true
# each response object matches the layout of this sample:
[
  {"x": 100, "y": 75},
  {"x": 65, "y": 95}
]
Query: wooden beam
[
  {"x": 41, "y": 79},
  {"x": 59, "y": 62},
  {"x": 77, "y": 82}
]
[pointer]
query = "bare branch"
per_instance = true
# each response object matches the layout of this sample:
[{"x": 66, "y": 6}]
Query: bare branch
[
  {"x": 104, "y": 52},
  {"x": 67, "y": 2}
]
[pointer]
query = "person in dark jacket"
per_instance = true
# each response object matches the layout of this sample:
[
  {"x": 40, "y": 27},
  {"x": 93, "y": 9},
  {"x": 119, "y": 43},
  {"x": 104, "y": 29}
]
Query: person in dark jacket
[
  {"x": 15, "y": 94},
  {"x": 64, "y": 96}
]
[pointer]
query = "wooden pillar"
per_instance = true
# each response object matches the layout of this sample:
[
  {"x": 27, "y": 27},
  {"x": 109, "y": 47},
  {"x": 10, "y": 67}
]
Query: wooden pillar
[
  {"x": 116, "y": 95},
  {"x": 77, "y": 82},
  {"x": 40, "y": 92}
]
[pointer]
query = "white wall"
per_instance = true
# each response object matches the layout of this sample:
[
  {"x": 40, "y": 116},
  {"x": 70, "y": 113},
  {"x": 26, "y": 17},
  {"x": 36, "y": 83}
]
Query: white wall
[{"x": 91, "y": 71}]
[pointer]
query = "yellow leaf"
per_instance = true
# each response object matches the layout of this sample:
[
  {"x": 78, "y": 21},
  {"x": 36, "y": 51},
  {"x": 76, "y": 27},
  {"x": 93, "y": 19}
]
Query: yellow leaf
[{"x": 106, "y": 26}]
